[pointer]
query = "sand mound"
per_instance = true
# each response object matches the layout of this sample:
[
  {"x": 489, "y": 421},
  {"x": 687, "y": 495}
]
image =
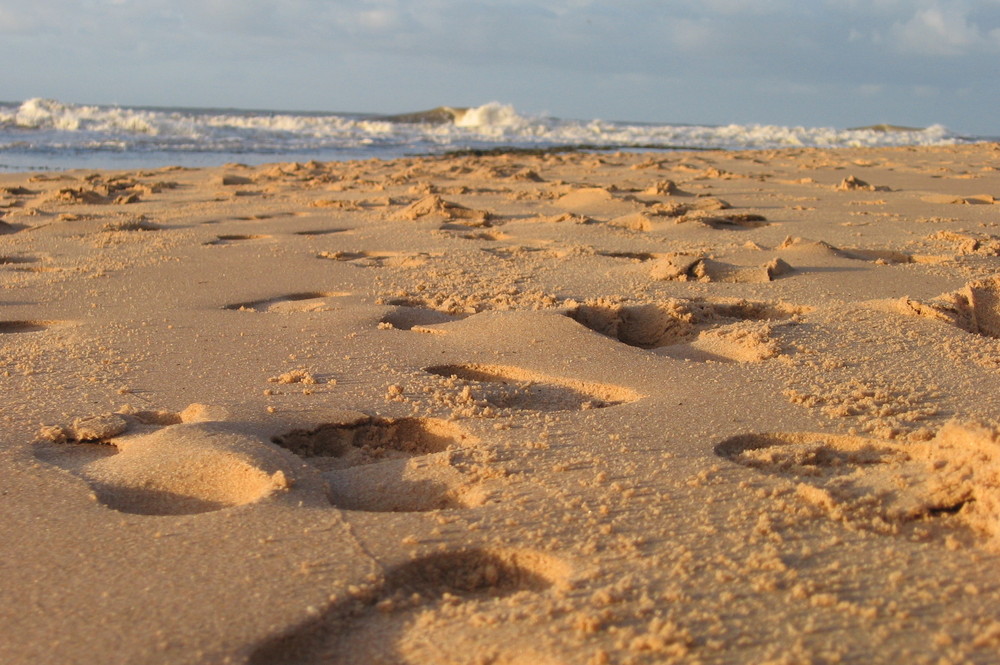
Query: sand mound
[
  {"x": 688, "y": 267},
  {"x": 434, "y": 208},
  {"x": 597, "y": 202},
  {"x": 974, "y": 308},
  {"x": 178, "y": 470},
  {"x": 966, "y": 244}
]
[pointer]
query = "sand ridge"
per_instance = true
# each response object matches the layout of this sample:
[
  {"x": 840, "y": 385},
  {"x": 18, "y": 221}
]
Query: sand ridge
[{"x": 526, "y": 408}]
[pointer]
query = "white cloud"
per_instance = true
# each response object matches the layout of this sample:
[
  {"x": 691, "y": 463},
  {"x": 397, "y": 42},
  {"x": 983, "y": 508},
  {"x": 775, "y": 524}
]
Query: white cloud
[{"x": 937, "y": 30}]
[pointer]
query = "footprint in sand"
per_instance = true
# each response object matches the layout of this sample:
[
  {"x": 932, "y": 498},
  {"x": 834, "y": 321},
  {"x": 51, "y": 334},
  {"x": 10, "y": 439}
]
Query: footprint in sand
[
  {"x": 319, "y": 232},
  {"x": 11, "y": 327},
  {"x": 734, "y": 222},
  {"x": 503, "y": 387},
  {"x": 131, "y": 225},
  {"x": 640, "y": 257},
  {"x": 947, "y": 484},
  {"x": 974, "y": 308},
  {"x": 721, "y": 330},
  {"x": 379, "y": 259},
  {"x": 16, "y": 260},
  {"x": 407, "y": 315},
  {"x": 419, "y": 613},
  {"x": 162, "y": 463},
  {"x": 387, "y": 464},
  {"x": 309, "y": 301},
  {"x": 8, "y": 228},
  {"x": 488, "y": 236},
  {"x": 263, "y": 217},
  {"x": 224, "y": 240},
  {"x": 513, "y": 252}
]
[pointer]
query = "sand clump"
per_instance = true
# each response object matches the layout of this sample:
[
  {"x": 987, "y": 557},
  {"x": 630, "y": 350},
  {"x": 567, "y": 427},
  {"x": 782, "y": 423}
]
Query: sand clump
[
  {"x": 163, "y": 466},
  {"x": 684, "y": 267},
  {"x": 975, "y": 308},
  {"x": 433, "y": 207}
]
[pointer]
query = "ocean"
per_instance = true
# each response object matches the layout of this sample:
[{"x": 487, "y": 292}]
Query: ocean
[{"x": 45, "y": 134}]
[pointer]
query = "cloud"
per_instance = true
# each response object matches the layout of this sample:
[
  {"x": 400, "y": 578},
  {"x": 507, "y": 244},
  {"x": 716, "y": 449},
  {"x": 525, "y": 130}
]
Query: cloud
[
  {"x": 620, "y": 58},
  {"x": 942, "y": 31}
]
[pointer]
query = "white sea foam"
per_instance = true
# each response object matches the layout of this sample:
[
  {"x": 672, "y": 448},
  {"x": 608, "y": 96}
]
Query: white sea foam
[{"x": 44, "y": 127}]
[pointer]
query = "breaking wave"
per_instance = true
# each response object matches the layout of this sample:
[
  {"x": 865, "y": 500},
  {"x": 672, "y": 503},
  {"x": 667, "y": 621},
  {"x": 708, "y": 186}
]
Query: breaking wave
[{"x": 46, "y": 127}]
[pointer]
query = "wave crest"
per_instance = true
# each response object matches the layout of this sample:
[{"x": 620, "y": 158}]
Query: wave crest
[
  {"x": 39, "y": 113},
  {"x": 48, "y": 126},
  {"x": 493, "y": 115}
]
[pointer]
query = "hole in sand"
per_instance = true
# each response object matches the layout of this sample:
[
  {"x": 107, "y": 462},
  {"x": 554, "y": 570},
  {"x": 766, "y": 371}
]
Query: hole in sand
[
  {"x": 379, "y": 465},
  {"x": 505, "y": 387},
  {"x": 674, "y": 321},
  {"x": 371, "y": 440}
]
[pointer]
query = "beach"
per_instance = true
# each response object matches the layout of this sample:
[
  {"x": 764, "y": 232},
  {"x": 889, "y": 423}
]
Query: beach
[{"x": 505, "y": 407}]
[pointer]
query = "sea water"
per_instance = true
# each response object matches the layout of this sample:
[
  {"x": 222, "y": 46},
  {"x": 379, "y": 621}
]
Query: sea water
[{"x": 45, "y": 134}]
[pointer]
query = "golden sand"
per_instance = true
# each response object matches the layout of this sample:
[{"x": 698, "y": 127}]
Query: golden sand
[{"x": 516, "y": 409}]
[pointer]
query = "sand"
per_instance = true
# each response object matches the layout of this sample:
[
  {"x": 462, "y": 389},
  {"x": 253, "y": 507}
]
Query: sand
[{"x": 517, "y": 409}]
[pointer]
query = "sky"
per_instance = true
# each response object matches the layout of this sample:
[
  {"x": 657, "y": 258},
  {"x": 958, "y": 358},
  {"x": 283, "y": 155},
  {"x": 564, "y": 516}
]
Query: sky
[{"x": 839, "y": 63}]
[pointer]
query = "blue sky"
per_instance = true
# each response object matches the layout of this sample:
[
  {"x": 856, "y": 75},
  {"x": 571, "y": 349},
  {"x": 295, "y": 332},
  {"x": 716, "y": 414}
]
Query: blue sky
[{"x": 793, "y": 62}]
